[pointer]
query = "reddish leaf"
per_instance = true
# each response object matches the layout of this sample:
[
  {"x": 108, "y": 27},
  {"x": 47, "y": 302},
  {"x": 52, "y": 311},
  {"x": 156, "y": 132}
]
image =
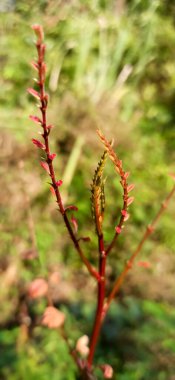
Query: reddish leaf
[
  {"x": 45, "y": 166},
  {"x": 52, "y": 190},
  {"x": 53, "y": 318},
  {"x": 36, "y": 119},
  {"x": 130, "y": 187},
  {"x": 126, "y": 175},
  {"x": 34, "y": 93},
  {"x": 39, "y": 144},
  {"x": 75, "y": 223},
  {"x": 72, "y": 207},
  {"x": 35, "y": 65},
  {"x": 50, "y": 126},
  {"x": 130, "y": 200},
  {"x": 52, "y": 156}
]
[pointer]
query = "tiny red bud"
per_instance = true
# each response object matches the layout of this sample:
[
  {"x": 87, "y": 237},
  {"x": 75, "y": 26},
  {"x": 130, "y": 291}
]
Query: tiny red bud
[
  {"x": 118, "y": 230},
  {"x": 52, "y": 156},
  {"x": 59, "y": 183}
]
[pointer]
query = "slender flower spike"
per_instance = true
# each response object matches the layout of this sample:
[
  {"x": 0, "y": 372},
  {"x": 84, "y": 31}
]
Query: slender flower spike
[
  {"x": 39, "y": 144},
  {"x": 53, "y": 318}
]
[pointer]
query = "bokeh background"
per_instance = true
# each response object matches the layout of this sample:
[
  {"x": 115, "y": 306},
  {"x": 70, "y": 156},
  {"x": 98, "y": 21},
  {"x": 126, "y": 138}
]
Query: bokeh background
[{"x": 111, "y": 65}]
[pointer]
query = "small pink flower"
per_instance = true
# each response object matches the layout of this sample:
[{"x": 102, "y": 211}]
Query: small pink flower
[
  {"x": 82, "y": 345},
  {"x": 107, "y": 371},
  {"x": 38, "y": 288},
  {"x": 53, "y": 318}
]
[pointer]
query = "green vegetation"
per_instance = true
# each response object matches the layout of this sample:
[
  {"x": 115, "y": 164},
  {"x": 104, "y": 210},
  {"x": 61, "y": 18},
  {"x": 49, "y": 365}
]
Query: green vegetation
[{"x": 111, "y": 64}]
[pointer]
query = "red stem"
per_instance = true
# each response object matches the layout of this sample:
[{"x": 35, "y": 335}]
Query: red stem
[{"x": 100, "y": 302}]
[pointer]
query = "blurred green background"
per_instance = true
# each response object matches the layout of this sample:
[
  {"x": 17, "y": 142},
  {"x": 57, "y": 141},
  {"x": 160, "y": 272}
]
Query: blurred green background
[{"x": 111, "y": 65}]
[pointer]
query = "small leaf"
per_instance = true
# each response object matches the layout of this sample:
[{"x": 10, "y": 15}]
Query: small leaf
[
  {"x": 36, "y": 119},
  {"x": 71, "y": 207},
  {"x": 35, "y": 65},
  {"x": 130, "y": 187},
  {"x": 53, "y": 318},
  {"x": 39, "y": 144},
  {"x": 85, "y": 238},
  {"x": 34, "y": 93},
  {"x": 50, "y": 126},
  {"x": 130, "y": 200},
  {"x": 52, "y": 190},
  {"x": 75, "y": 223},
  {"x": 45, "y": 166},
  {"x": 52, "y": 156},
  {"x": 126, "y": 175}
]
